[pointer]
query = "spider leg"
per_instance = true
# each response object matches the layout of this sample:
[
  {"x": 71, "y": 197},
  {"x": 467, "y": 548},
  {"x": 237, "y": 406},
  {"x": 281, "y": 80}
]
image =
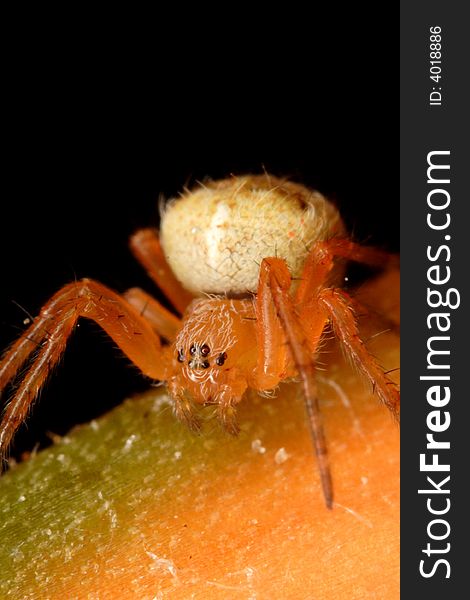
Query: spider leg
[
  {"x": 51, "y": 349},
  {"x": 368, "y": 255},
  {"x": 19, "y": 352},
  {"x": 272, "y": 351},
  {"x": 50, "y": 331},
  {"x": 320, "y": 262},
  {"x": 339, "y": 306},
  {"x": 146, "y": 248},
  {"x": 183, "y": 406},
  {"x": 227, "y": 399},
  {"x": 314, "y": 299},
  {"x": 275, "y": 275},
  {"x": 162, "y": 320}
]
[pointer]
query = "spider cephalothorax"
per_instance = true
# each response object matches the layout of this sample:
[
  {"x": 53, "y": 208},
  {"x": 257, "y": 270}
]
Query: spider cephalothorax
[
  {"x": 250, "y": 265},
  {"x": 215, "y": 353}
]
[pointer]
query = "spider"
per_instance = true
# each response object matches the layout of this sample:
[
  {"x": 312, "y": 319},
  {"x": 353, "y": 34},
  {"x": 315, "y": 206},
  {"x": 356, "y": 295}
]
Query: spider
[{"x": 250, "y": 264}]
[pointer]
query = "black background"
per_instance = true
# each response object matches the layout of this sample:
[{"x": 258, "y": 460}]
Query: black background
[{"x": 96, "y": 128}]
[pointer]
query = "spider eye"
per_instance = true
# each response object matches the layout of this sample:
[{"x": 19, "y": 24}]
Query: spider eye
[
  {"x": 180, "y": 355},
  {"x": 205, "y": 350},
  {"x": 205, "y": 364},
  {"x": 192, "y": 350},
  {"x": 221, "y": 359}
]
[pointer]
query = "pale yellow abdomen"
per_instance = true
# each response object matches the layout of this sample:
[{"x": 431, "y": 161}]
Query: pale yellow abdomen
[{"x": 216, "y": 236}]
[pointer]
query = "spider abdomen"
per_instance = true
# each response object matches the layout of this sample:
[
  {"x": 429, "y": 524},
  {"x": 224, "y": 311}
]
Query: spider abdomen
[{"x": 215, "y": 237}]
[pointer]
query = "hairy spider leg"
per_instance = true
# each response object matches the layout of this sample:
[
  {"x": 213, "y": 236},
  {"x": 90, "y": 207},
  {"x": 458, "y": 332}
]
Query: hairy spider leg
[
  {"x": 320, "y": 262},
  {"x": 303, "y": 321},
  {"x": 340, "y": 308},
  {"x": 165, "y": 323},
  {"x": 272, "y": 351},
  {"x": 147, "y": 249},
  {"x": 50, "y": 331},
  {"x": 17, "y": 354},
  {"x": 312, "y": 295},
  {"x": 367, "y": 255},
  {"x": 275, "y": 279}
]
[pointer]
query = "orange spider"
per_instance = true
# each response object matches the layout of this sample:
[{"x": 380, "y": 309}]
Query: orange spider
[{"x": 228, "y": 256}]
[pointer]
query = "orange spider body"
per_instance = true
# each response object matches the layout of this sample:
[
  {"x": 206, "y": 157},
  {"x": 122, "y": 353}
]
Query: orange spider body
[
  {"x": 213, "y": 359},
  {"x": 228, "y": 256}
]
